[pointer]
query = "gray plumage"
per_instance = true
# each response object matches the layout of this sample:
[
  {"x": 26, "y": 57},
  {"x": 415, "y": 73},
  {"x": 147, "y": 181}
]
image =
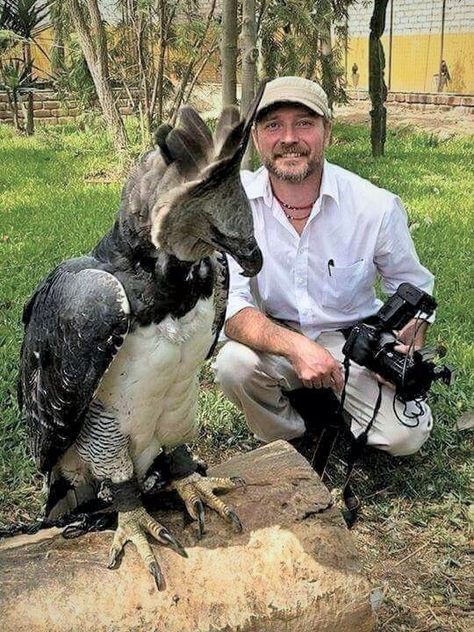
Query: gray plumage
[{"x": 114, "y": 340}]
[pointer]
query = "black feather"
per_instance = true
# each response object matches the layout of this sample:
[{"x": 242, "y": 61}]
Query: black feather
[
  {"x": 75, "y": 324},
  {"x": 160, "y": 140}
]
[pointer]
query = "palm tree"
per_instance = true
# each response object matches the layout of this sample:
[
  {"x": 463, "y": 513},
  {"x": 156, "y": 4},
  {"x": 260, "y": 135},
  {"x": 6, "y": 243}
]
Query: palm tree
[{"x": 22, "y": 18}]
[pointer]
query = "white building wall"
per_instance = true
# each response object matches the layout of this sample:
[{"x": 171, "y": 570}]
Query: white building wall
[{"x": 415, "y": 16}]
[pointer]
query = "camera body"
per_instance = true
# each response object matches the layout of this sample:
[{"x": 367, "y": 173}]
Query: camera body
[{"x": 371, "y": 344}]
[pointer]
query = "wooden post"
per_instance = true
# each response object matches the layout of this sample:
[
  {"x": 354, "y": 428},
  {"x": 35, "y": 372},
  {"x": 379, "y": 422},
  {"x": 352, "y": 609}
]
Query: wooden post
[
  {"x": 249, "y": 66},
  {"x": 229, "y": 52}
]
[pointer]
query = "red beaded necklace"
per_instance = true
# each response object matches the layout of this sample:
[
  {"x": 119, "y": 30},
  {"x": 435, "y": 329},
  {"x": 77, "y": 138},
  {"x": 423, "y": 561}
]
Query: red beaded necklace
[{"x": 288, "y": 207}]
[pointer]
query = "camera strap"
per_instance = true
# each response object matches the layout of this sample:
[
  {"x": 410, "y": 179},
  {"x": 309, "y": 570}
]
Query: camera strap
[{"x": 356, "y": 449}]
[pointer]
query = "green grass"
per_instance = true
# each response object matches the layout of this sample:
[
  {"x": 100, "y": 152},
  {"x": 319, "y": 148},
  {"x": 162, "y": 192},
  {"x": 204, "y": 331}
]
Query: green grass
[{"x": 52, "y": 206}]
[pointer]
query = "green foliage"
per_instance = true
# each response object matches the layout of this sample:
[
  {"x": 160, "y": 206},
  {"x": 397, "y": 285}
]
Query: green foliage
[
  {"x": 22, "y": 17},
  {"x": 72, "y": 78},
  {"x": 16, "y": 77},
  {"x": 18, "y": 21},
  {"x": 56, "y": 201},
  {"x": 296, "y": 40}
]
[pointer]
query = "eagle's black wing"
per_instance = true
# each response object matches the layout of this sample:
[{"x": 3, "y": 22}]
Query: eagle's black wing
[
  {"x": 221, "y": 293},
  {"x": 74, "y": 324}
]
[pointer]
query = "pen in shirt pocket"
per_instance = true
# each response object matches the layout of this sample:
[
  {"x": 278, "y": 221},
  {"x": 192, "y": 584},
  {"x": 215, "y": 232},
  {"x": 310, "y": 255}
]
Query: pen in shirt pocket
[{"x": 331, "y": 264}]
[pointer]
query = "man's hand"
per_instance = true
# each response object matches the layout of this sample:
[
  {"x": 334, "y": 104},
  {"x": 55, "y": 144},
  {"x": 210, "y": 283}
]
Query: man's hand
[
  {"x": 412, "y": 336},
  {"x": 315, "y": 366}
]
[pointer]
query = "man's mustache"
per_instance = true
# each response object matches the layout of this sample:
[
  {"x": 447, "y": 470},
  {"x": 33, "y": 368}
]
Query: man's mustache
[{"x": 290, "y": 149}]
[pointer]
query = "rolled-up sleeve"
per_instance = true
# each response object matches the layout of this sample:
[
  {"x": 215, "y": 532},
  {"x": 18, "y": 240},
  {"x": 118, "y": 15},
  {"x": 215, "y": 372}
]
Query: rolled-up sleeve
[
  {"x": 395, "y": 254},
  {"x": 240, "y": 292}
]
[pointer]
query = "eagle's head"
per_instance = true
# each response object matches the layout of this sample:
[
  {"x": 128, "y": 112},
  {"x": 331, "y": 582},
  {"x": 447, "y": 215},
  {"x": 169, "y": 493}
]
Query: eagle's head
[{"x": 201, "y": 205}]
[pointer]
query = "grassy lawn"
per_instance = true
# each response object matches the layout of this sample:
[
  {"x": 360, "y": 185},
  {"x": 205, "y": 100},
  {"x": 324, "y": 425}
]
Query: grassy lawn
[{"x": 56, "y": 200}]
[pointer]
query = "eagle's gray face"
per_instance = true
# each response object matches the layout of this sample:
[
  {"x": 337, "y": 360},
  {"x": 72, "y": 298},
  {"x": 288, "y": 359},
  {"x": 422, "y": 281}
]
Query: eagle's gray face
[
  {"x": 198, "y": 225},
  {"x": 230, "y": 225},
  {"x": 202, "y": 206}
]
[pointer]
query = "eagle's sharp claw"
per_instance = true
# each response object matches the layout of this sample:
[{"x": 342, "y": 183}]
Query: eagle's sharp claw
[
  {"x": 169, "y": 539},
  {"x": 196, "y": 490},
  {"x": 133, "y": 526},
  {"x": 199, "y": 507},
  {"x": 114, "y": 558},
  {"x": 238, "y": 481},
  {"x": 155, "y": 570},
  {"x": 235, "y": 520}
]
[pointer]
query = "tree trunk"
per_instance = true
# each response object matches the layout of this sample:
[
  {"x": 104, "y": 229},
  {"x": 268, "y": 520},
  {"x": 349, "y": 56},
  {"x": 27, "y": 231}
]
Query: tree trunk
[
  {"x": 13, "y": 104},
  {"x": 229, "y": 52},
  {"x": 92, "y": 38},
  {"x": 249, "y": 66},
  {"x": 327, "y": 78},
  {"x": 160, "y": 73},
  {"x": 377, "y": 87},
  {"x": 30, "y": 121},
  {"x": 58, "y": 55}
]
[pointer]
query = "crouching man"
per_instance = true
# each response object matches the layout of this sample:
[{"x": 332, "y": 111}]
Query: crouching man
[{"x": 326, "y": 235}]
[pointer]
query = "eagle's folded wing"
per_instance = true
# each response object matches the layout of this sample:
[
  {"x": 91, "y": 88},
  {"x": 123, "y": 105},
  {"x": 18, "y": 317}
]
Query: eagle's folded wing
[
  {"x": 74, "y": 324},
  {"x": 221, "y": 293}
]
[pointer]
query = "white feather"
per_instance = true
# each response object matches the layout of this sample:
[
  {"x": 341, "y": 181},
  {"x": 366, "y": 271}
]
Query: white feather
[{"x": 151, "y": 387}]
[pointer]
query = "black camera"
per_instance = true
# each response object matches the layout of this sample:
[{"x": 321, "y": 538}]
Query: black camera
[{"x": 371, "y": 344}]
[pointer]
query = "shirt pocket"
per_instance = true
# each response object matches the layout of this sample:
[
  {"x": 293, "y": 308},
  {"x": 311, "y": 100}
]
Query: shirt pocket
[{"x": 344, "y": 288}]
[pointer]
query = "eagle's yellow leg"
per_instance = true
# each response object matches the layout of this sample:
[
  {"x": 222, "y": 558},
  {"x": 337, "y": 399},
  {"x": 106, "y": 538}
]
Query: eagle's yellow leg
[
  {"x": 196, "y": 490},
  {"x": 132, "y": 527}
]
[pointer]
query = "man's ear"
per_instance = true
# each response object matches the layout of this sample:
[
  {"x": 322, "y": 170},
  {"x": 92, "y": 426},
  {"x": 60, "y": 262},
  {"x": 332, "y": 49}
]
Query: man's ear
[{"x": 327, "y": 132}]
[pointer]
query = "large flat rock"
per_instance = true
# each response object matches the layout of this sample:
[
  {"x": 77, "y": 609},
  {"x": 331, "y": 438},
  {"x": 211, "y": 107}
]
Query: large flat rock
[{"x": 293, "y": 569}]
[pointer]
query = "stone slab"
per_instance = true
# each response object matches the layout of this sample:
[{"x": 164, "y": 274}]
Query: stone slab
[{"x": 293, "y": 569}]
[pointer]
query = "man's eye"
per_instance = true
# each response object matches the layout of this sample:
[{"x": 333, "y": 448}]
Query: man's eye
[
  {"x": 305, "y": 123},
  {"x": 271, "y": 125}
]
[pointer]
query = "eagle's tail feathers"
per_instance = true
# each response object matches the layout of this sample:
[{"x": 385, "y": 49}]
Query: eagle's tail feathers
[{"x": 64, "y": 498}]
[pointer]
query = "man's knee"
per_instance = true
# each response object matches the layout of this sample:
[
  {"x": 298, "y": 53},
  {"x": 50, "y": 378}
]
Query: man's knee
[
  {"x": 234, "y": 365},
  {"x": 407, "y": 436}
]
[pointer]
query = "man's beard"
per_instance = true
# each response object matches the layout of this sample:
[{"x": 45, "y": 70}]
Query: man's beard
[{"x": 289, "y": 174}]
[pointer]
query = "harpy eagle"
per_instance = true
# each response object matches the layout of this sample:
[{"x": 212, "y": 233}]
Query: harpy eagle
[{"x": 114, "y": 340}]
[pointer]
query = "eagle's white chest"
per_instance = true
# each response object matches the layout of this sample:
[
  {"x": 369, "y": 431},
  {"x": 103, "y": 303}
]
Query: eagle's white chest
[{"x": 151, "y": 387}]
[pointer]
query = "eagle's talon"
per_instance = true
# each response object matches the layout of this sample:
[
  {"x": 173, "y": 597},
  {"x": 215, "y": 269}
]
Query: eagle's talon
[
  {"x": 195, "y": 490},
  {"x": 115, "y": 556},
  {"x": 173, "y": 543},
  {"x": 235, "y": 521},
  {"x": 133, "y": 526},
  {"x": 238, "y": 481},
  {"x": 199, "y": 509},
  {"x": 155, "y": 570}
]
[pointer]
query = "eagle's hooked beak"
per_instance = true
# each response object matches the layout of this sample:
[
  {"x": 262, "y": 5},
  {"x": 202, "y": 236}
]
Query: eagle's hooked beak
[
  {"x": 245, "y": 251},
  {"x": 250, "y": 260}
]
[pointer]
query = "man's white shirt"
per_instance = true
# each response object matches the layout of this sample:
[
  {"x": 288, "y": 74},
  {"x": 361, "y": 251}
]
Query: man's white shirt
[{"x": 324, "y": 279}]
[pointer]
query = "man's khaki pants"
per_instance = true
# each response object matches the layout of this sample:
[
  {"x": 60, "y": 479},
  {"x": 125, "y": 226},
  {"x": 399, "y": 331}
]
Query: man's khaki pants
[{"x": 256, "y": 383}]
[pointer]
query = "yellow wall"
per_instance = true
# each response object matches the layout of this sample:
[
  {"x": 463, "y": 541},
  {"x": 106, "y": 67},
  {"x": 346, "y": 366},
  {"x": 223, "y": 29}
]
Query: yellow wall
[
  {"x": 415, "y": 59},
  {"x": 40, "y": 61}
]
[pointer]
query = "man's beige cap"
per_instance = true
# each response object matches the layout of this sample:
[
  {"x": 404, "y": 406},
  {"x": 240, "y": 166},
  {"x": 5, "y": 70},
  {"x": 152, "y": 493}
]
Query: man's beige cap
[{"x": 295, "y": 90}]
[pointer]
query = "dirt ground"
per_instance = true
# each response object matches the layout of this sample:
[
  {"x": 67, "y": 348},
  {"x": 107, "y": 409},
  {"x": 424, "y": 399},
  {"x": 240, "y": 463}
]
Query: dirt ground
[{"x": 432, "y": 119}]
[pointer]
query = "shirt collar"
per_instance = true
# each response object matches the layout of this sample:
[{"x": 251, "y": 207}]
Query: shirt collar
[
  {"x": 329, "y": 183},
  {"x": 257, "y": 184}
]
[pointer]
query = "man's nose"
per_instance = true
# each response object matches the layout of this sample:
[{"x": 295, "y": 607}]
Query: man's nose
[{"x": 289, "y": 135}]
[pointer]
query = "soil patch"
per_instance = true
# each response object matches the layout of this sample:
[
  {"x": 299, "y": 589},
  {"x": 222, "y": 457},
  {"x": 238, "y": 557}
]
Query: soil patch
[{"x": 431, "y": 119}]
